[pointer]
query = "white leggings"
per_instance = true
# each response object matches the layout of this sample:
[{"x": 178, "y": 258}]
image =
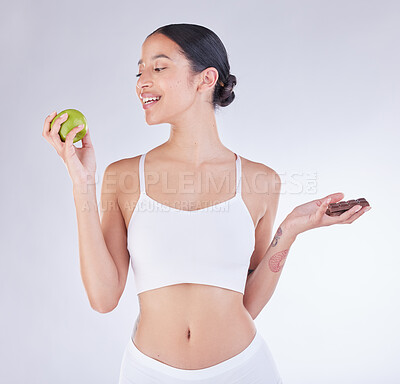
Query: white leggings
[{"x": 254, "y": 365}]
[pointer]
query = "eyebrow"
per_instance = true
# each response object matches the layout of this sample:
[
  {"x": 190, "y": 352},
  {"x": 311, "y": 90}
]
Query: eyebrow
[{"x": 155, "y": 57}]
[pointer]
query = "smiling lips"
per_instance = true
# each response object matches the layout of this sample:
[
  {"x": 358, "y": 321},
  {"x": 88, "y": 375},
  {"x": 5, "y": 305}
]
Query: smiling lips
[
  {"x": 148, "y": 100},
  {"x": 149, "y": 104}
]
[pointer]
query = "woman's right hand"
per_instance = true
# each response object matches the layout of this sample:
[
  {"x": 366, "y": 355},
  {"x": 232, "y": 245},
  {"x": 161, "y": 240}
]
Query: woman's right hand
[{"x": 80, "y": 162}]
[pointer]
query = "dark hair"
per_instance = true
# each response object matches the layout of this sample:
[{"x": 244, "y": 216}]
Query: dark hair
[{"x": 203, "y": 49}]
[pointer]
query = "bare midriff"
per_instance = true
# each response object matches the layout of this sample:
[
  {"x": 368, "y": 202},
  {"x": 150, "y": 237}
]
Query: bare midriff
[{"x": 192, "y": 326}]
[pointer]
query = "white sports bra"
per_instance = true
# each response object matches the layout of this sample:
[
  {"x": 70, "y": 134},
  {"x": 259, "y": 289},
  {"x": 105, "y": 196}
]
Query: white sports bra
[{"x": 211, "y": 246}]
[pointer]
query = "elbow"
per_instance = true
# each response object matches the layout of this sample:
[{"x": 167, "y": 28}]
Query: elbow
[
  {"x": 250, "y": 311},
  {"x": 252, "y": 314},
  {"x": 104, "y": 304},
  {"x": 103, "y": 309}
]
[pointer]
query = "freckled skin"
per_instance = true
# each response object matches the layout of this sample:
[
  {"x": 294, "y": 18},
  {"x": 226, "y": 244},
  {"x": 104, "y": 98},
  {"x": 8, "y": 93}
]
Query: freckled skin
[
  {"x": 276, "y": 237},
  {"x": 277, "y": 261}
]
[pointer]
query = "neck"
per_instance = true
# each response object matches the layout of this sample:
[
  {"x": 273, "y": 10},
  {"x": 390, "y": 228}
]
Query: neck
[{"x": 194, "y": 137}]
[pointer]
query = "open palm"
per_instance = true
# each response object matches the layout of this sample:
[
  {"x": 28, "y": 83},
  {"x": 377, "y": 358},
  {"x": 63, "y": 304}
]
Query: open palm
[{"x": 312, "y": 214}]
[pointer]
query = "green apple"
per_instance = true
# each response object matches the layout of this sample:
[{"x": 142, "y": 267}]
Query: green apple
[{"x": 74, "y": 119}]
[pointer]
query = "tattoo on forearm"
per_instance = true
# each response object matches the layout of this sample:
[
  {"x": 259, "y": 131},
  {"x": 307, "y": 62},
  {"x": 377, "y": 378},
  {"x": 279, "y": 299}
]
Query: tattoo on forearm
[
  {"x": 278, "y": 234},
  {"x": 277, "y": 261}
]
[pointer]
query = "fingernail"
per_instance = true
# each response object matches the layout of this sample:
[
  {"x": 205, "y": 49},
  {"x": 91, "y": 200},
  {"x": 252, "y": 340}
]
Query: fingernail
[
  {"x": 329, "y": 200},
  {"x": 81, "y": 126},
  {"x": 367, "y": 209},
  {"x": 65, "y": 114}
]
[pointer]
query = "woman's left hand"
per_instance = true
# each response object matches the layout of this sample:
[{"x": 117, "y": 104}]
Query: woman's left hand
[{"x": 312, "y": 214}]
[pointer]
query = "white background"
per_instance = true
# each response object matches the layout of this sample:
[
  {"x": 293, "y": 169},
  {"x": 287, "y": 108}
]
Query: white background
[{"x": 317, "y": 100}]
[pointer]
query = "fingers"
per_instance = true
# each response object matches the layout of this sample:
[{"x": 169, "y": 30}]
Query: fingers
[
  {"x": 345, "y": 216},
  {"x": 335, "y": 197},
  {"x": 86, "y": 140},
  {"x": 47, "y": 121},
  {"x": 356, "y": 215},
  {"x": 323, "y": 207},
  {"x": 54, "y": 132},
  {"x": 71, "y": 135}
]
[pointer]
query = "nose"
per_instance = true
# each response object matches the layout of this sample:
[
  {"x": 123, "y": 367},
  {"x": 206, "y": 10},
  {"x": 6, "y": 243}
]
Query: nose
[
  {"x": 140, "y": 88},
  {"x": 144, "y": 80}
]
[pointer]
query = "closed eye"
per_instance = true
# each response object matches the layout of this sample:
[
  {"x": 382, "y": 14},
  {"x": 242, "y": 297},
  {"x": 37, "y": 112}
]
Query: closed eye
[{"x": 156, "y": 69}]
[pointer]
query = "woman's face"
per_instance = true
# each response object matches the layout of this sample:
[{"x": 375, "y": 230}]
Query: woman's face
[{"x": 164, "y": 73}]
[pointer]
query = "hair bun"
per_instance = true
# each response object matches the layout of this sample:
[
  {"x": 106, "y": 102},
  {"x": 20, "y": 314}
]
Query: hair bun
[{"x": 226, "y": 94}]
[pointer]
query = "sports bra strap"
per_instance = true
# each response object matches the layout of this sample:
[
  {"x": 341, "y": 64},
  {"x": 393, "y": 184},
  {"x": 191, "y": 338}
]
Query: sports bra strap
[
  {"x": 141, "y": 174},
  {"x": 238, "y": 175}
]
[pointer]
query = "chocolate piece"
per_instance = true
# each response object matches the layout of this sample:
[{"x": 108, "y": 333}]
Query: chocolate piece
[{"x": 336, "y": 209}]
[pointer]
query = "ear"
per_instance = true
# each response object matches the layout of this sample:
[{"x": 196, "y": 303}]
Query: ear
[{"x": 208, "y": 78}]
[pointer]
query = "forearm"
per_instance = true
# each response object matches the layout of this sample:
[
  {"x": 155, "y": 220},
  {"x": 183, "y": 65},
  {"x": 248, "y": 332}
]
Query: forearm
[
  {"x": 261, "y": 283},
  {"x": 98, "y": 270}
]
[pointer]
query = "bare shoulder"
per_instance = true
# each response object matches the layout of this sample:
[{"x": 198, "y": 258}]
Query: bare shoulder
[
  {"x": 122, "y": 177},
  {"x": 260, "y": 188},
  {"x": 123, "y": 171},
  {"x": 123, "y": 164},
  {"x": 260, "y": 178}
]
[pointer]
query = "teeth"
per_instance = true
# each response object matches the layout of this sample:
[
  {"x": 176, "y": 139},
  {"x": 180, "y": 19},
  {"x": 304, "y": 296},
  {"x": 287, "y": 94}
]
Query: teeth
[{"x": 149, "y": 99}]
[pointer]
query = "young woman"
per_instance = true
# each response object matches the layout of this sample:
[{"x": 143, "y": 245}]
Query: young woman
[{"x": 193, "y": 218}]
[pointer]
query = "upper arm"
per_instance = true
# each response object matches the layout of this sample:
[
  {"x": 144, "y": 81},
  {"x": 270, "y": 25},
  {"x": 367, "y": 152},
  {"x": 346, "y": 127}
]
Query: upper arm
[
  {"x": 113, "y": 224},
  {"x": 263, "y": 233}
]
